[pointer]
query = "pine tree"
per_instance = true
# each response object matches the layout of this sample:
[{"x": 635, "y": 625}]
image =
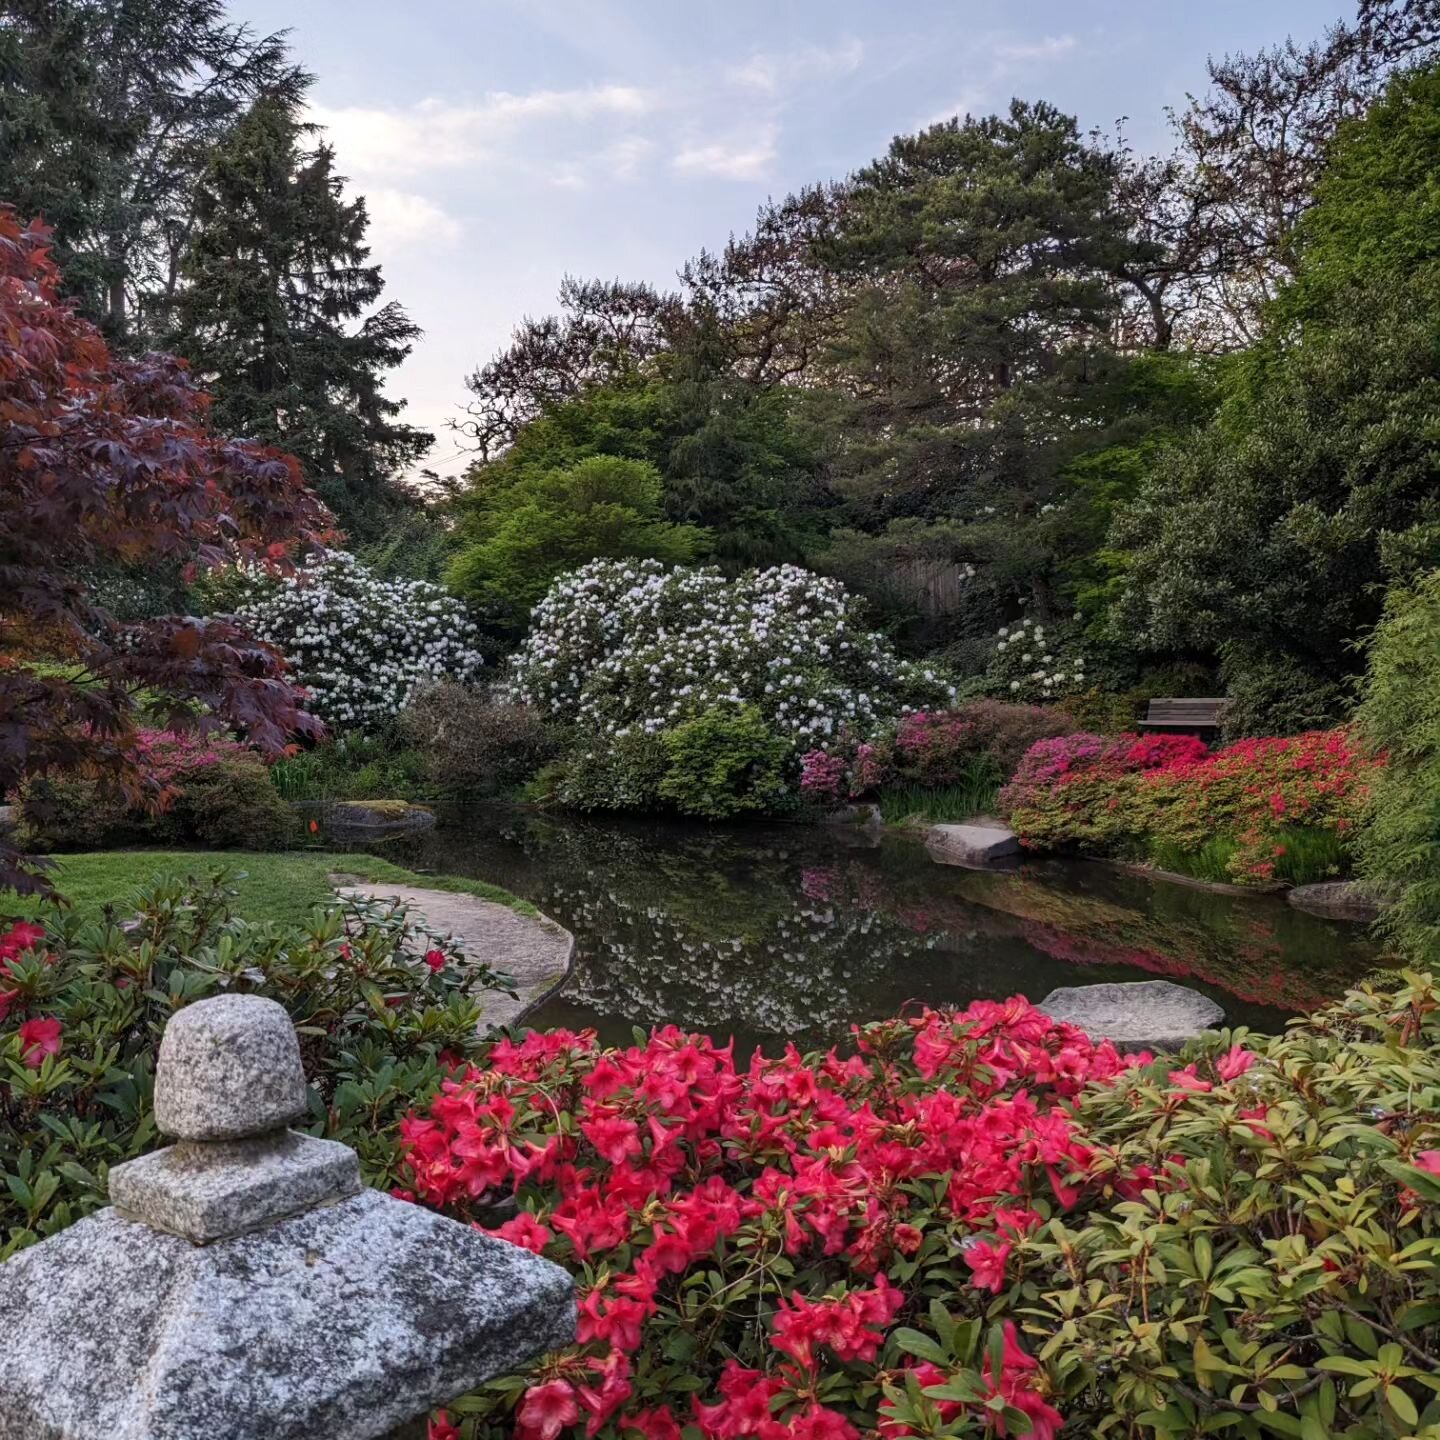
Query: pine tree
[{"x": 273, "y": 316}]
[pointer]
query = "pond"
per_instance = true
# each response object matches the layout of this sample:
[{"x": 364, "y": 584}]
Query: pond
[{"x": 794, "y": 932}]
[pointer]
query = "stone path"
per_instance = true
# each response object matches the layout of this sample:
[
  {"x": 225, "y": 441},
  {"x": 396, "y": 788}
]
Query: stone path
[{"x": 534, "y": 949}]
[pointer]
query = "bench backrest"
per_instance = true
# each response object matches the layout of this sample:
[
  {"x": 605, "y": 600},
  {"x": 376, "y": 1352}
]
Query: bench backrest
[{"x": 1186, "y": 711}]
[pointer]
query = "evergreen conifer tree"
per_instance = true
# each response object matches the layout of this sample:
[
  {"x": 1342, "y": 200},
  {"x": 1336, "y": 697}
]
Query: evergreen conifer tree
[{"x": 276, "y": 317}]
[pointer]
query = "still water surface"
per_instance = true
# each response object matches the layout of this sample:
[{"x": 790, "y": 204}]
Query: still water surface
[{"x": 794, "y": 932}]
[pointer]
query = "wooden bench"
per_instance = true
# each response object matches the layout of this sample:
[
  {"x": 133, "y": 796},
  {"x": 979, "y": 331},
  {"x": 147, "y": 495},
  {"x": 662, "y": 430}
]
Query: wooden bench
[{"x": 1176, "y": 714}]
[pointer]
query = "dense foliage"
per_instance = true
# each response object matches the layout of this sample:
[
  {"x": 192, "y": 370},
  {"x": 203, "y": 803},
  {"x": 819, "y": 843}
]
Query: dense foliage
[
  {"x": 210, "y": 789},
  {"x": 1399, "y": 715},
  {"x": 362, "y": 647},
  {"x": 382, "y": 1007},
  {"x": 516, "y": 539},
  {"x": 723, "y": 681},
  {"x": 1244, "y": 807},
  {"x": 106, "y": 463},
  {"x": 936, "y": 1234}
]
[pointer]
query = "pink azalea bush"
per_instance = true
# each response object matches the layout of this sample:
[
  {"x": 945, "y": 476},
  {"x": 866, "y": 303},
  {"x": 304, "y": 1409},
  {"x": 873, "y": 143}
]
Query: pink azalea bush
[
  {"x": 1127, "y": 794},
  {"x": 976, "y": 1224}
]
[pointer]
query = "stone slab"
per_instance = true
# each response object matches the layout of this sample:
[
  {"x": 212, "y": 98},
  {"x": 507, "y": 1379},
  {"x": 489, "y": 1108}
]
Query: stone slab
[
  {"x": 532, "y": 949},
  {"x": 970, "y": 845},
  {"x": 1336, "y": 900},
  {"x": 365, "y": 820},
  {"x": 1138, "y": 1015},
  {"x": 229, "y": 1067},
  {"x": 208, "y": 1191},
  {"x": 344, "y": 1323}
]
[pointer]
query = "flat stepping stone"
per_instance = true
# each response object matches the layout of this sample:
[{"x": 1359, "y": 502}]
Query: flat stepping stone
[
  {"x": 1336, "y": 900},
  {"x": 1139, "y": 1015},
  {"x": 531, "y": 948},
  {"x": 970, "y": 845},
  {"x": 374, "y": 819}
]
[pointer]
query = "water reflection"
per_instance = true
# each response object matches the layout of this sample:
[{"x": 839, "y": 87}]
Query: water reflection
[{"x": 795, "y": 932}]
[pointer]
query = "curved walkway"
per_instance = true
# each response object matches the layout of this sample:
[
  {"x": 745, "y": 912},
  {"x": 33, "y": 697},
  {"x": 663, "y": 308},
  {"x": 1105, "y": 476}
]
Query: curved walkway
[{"x": 531, "y": 948}]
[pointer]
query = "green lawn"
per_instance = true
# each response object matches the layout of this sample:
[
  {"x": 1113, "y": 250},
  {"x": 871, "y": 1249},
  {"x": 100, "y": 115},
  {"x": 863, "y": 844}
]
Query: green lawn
[{"x": 282, "y": 887}]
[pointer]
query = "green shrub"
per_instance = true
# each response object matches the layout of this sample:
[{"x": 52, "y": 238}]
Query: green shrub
[
  {"x": 1399, "y": 850},
  {"x": 218, "y": 793},
  {"x": 725, "y": 763},
  {"x": 374, "y": 1019},
  {"x": 69, "y": 812},
  {"x": 474, "y": 743},
  {"x": 624, "y": 774}
]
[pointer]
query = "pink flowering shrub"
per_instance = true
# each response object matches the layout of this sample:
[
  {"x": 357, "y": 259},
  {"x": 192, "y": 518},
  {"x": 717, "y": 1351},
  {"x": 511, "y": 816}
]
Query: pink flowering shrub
[
  {"x": 1132, "y": 794},
  {"x": 195, "y": 787},
  {"x": 940, "y": 1233},
  {"x": 760, "y": 1240},
  {"x": 931, "y": 749}
]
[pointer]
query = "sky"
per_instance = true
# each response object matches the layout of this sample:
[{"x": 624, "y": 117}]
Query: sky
[{"x": 503, "y": 144}]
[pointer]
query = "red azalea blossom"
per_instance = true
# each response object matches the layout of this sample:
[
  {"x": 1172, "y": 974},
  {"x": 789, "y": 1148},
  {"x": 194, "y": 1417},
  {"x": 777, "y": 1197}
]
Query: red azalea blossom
[
  {"x": 435, "y": 959},
  {"x": 546, "y": 1410},
  {"x": 635, "y": 1164},
  {"x": 39, "y": 1038},
  {"x": 441, "y": 1428}
]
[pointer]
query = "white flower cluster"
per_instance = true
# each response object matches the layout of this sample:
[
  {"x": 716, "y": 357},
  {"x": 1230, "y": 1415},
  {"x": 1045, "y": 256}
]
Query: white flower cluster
[
  {"x": 362, "y": 646},
  {"x": 1031, "y": 663},
  {"x": 622, "y": 646}
]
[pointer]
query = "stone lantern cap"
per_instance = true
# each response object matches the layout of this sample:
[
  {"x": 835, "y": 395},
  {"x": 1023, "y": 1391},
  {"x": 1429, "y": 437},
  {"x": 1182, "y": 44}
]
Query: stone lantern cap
[{"x": 245, "y": 1287}]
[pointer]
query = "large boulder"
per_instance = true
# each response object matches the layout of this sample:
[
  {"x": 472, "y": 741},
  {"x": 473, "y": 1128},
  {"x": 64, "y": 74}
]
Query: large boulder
[
  {"x": 1138, "y": 1015},
  {"x": 1336, "y": 900},
  {"x": 970, "y": 845}
]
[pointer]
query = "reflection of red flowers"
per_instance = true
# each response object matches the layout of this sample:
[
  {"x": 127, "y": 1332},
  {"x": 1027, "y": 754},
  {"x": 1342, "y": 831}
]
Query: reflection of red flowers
[
  {"x": 314, "y": 827},
  {"x": 39, "y": 1038}
]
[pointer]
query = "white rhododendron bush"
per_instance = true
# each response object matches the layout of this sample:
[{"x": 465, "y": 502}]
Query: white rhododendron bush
[
  {"x": 362, "y": 646},
  {"x": 626, "y": 647}
]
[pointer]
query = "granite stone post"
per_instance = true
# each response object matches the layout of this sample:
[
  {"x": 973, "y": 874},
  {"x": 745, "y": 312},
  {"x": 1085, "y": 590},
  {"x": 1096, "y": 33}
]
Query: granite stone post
[{"x": 245, "y": 1286}]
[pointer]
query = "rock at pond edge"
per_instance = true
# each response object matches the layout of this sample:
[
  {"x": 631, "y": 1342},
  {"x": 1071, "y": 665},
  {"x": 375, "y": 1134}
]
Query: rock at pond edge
[
  {"x": 1135, "y": 1015},
  {"x": 972, "y": 845},
  {"x": 1336, "y": 900}
]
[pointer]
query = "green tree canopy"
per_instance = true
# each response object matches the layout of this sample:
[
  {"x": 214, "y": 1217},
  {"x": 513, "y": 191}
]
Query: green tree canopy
[
  {"x": 276, "y": 317},
  {"x": 518, "y": 538},
  {"x": 1265, "y": 538}
]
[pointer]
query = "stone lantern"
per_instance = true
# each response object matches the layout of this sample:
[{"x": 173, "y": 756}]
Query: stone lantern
[{"x": 245, "y": 1286}]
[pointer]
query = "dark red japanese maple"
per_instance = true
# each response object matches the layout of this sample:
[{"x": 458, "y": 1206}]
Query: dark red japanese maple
[{"x": 106, "y": 461}]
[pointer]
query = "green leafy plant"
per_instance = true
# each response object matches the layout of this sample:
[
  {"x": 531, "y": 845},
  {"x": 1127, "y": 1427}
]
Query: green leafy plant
[
  {"x": 382, "y": 1008},
  {"x": 725, "y": 763}
]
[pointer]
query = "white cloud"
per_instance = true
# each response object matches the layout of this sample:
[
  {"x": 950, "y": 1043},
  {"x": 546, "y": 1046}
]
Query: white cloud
[
  {"x": 737, "y": 157},
  {"x": 773, "y": 71},
  {"x": 439, "y": 134},
  {"x": 400, "y": 218},
  {"x": 1050, "y": 47}
]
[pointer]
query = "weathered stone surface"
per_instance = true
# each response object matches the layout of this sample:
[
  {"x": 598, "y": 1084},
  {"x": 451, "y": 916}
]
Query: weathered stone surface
[
  {"x": 229, "y": 1067},
  {"x": 347, "y": 1321},
  {"x": 1336, "y": 900},
  {"x": 971, "y": 845},
  {"x": 212, "y": 1190},
  {"x": 1140, "y": 1015},
  {"x": 370, "y": 819},
  {"x": 9, "y": 818},
  {"x": 854, "y": 817}
]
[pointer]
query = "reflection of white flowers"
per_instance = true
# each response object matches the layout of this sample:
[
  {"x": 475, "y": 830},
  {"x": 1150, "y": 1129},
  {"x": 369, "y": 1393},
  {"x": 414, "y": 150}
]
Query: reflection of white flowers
[
  {"x": 625, "y": 646},
  {"x": 362, "y": 646}
]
